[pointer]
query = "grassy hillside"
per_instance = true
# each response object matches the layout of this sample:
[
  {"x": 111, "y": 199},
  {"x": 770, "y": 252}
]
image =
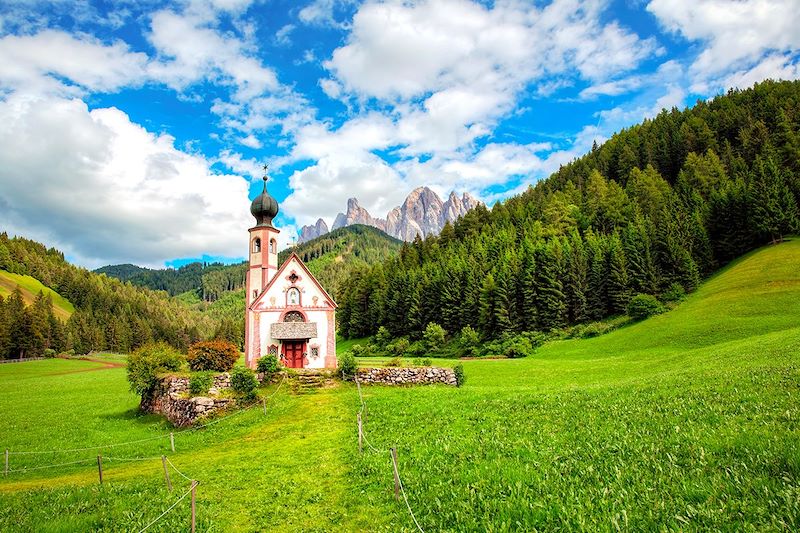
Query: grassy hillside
[
  {"x": 30, "y": 288},
  {"x": 335, "y": 255},
  {"x": 687, "y": 421}
]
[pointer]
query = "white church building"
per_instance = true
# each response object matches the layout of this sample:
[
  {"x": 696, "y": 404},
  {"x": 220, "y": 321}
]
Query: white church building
[{"x": 289, "y": 314}]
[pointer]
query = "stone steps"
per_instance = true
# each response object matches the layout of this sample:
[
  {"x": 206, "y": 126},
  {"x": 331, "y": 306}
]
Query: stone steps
[{"x": 309, "y": 382}]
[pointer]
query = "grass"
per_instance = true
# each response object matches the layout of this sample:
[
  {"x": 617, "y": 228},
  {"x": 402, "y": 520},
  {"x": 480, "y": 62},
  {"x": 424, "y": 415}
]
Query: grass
[
  {"x": 30, "y": 288},
  {"x": 687, "y": 421},
  {"x": 344, "y": 345}
]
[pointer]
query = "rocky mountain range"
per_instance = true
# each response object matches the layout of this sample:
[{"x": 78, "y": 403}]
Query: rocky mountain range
[{"x": 423, "y": 213}]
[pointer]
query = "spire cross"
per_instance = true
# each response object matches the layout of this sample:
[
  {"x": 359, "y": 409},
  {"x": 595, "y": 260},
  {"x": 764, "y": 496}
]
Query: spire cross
[{"x": 265, "y": 178}]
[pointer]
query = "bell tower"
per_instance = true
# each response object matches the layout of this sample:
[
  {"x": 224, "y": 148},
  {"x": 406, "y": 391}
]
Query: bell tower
[{"x": 263, "y": 263}]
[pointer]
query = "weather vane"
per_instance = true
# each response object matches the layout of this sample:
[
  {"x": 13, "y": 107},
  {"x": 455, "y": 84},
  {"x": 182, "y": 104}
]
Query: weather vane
[{"x": 266, "y": 166}]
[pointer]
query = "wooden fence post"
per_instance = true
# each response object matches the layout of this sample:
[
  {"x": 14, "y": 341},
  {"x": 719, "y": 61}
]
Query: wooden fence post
[
  {"x": 396, "y": 475},
  {"x": 264, "y": 403},
  {"x": 166, "y": 472},
  {"x": 194, "y": 485},
  {"x": 100, "y": 468},
  {"x": 6, "y": 472},
  {"x": 172, "y": 441},
  {"x": 360, "y": 435}
]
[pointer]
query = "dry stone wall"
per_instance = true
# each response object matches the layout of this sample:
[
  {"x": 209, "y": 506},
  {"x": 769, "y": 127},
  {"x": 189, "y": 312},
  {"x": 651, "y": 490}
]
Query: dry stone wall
[
  {"x": 407, "y": 376},
  {"x": 170, "y": 399}
]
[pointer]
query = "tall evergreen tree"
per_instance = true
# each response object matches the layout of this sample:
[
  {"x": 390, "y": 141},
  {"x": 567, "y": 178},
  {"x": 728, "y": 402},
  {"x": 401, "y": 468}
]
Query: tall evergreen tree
[{"x": 550, "y": 300}]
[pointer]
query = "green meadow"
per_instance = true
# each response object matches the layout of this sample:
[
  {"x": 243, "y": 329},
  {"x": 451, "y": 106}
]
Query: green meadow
[
  {"x": 687, "y": 421},
  {"x": 30, "y": 288}
]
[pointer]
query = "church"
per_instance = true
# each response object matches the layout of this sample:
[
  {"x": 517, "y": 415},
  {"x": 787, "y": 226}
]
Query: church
[{"x": 288, "y": 312}]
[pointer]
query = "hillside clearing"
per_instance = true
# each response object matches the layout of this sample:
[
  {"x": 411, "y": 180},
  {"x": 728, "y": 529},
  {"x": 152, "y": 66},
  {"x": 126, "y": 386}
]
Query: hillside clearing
[
  {"x": 30, "y": 288},
  {"x": 689, "y": 420}
]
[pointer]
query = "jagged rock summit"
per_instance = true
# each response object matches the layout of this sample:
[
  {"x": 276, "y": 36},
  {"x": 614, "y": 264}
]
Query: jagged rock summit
[
  {"x": 423, "y": 213},
  {"x": 312, "y": 232}
]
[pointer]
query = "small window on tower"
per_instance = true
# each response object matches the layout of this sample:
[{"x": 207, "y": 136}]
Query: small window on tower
[
  {"x": 256, "y": 245},
  {"x": 273, "y": 246},
  {"x": 255, "y": 294},
  {"x": 314, "y": 352}
]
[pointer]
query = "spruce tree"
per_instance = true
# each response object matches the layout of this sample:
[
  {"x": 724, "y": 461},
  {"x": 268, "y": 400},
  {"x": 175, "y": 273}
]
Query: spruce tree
[
  {"x": 774, "y": 207},
  {"x": 597, "y": 295},
  {"x": 550, "y": 299},
  {"x": 618, "y": 288}
]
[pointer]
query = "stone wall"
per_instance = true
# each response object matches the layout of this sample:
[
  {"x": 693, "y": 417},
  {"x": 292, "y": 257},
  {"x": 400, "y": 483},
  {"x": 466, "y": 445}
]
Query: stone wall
[
  {"x": 170, "y": 399},
  {"x": 407, "y": 376}
]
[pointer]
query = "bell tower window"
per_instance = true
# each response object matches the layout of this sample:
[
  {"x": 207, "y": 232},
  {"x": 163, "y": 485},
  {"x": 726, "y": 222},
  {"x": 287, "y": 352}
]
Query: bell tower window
[
  {"x": 273, "y": 246},
  {"x": 256, "y": 245}
]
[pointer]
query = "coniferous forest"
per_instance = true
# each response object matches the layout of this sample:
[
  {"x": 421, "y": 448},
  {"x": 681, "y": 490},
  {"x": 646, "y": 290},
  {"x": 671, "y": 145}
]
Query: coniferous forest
[
  {"x": 652, "y": 211},
  {"x": 109, "y": 314}
]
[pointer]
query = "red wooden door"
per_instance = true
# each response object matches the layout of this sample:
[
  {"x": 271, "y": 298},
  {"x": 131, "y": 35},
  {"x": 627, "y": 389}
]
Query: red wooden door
[{"x": 293, "y": 353}]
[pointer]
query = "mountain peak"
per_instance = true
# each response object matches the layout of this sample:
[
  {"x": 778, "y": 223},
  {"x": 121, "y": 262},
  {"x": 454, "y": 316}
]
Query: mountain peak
[{"x": 422, "y": 213}]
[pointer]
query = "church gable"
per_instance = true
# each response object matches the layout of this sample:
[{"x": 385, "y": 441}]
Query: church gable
[{"x": 293, "y": 287}]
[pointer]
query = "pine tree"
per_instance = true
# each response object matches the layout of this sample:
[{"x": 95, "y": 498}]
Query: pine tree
[
  {"x": 487, "y": 310},
  {"x": 774, "y": 207},
  {"x": 529, "y": 316},
  {"x": 5, "y": 339},
  {"x": 549, "y": 290},
  {"x": 597, "y": 295},
  {"x": 618, "y": 288},
  {"x": 577, "y": 273}
]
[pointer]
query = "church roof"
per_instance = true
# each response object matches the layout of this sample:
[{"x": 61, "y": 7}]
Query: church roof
[{"x": 279, "y": 274}]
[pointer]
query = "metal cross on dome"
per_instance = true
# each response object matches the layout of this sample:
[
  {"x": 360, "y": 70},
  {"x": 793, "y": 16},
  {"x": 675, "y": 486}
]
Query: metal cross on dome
[{"x": 265, "y": 178}]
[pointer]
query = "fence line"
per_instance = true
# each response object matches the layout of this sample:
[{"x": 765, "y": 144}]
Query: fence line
[
  {"x": 395, "y": 466},
  {"x": 171, "y": 507},
  {"x": 28, "y": 469},
  {"x": 21, "y": 360},
  {"x": 184, "y": 476}
]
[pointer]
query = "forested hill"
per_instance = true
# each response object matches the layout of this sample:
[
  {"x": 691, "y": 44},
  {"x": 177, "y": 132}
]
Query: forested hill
[
  {"x": 108, "y": 314},
  {"x": 651, "y": 211},
  {"x": 210, "y": 280},
  {"x": 334, "y": 255}
]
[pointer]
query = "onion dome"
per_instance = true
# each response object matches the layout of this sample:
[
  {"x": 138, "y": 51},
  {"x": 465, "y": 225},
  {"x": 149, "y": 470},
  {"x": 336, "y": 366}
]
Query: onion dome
[{"x": 264, "y": 207}]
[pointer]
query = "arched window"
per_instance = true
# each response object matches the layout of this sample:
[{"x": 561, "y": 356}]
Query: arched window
[
  {"x": 294, "y": 316},
  {"x": 293, "y": 296},
  {"x": 255, "y": 294},
  {"x": 273, "y": 246},
  {"x": 256, "y": 245}
]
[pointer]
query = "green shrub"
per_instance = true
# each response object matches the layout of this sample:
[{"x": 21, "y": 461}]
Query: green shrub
[
  {"x": 399, "y": 347},
  {"x": 269, "y": 364},
  {"x": 642, "y": 306},
  {"x": 416, "y": 349},
  {"x": 244, "y": 383},
  {"x": 517, "y": 347},
  {"x": 383, "y": 337},
  {"x": 434, "y": 336},
  {"x": 674, "y": 293},
  {"x": 147, "y": 362},
  {"x": 347, "y": 365},
  {"x": 357, "y": 350},
  {"x": 594, "y": 330},
  {"x": 468, "y": 337},
  {"x": 49, "y": 352},
  {"x": 200, "y": 382},
  {"x": 426, "y": 361},
  {"x": 394, "y": 362},
  {"x": 459, "y": 372},
  {"x": 217, "y": 355}
]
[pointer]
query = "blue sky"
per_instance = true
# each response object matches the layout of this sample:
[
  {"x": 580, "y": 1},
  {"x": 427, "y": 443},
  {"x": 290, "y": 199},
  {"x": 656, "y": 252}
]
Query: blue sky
[{"x": 134, "y": 131}]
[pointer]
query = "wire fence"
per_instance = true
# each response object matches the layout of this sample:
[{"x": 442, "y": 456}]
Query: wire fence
[
  {"x": 362, "y": 435},
  {"x": 164, "y": 459}
]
